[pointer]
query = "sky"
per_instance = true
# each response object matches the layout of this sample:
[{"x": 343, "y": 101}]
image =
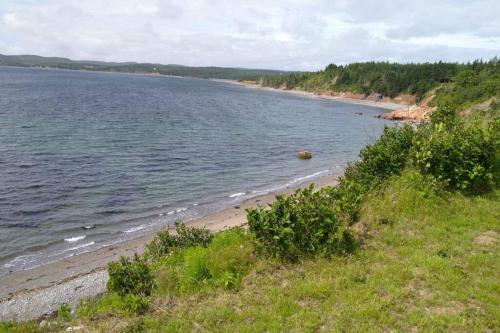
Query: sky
[{"x": 275, "y": 34}]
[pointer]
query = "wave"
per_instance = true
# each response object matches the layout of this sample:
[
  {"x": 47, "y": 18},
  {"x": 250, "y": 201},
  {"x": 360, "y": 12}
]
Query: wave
[
  {"x": 21, "y": 260},
  {"x": 300, "y": 179},
  {"x": 30, "y": 260},
  {"x": 134, "y": 229},
  {"x": 74, "y": 239},
  {"x": 235, "y": 195},
  {"x": 290, "y": 183},
  {"x": 80, "y": 246}
]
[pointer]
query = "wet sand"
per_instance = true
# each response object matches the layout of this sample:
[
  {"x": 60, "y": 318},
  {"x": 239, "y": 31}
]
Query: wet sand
[{"x": 35, "y": 293}]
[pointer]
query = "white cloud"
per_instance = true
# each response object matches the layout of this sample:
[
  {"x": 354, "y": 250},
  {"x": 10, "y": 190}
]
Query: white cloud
[{"x": 284, "y": 34}]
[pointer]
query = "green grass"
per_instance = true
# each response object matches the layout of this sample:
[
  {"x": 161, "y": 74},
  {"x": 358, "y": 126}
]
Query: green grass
[{"x": 428, "y": 263}]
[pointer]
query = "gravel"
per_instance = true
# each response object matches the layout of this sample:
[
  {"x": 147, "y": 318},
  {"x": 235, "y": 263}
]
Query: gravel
[{"x": 42, "y": 303}]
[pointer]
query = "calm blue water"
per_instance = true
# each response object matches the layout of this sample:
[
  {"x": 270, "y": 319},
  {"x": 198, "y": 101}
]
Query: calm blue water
[{"x": 132, "y": 153}]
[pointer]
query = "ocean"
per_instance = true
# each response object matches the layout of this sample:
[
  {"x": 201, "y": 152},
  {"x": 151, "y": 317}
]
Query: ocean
[{"x": 88, "y": 159}]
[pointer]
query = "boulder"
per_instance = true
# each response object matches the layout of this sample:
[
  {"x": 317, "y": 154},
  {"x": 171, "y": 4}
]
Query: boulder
[{"x": 304, "y": 155}]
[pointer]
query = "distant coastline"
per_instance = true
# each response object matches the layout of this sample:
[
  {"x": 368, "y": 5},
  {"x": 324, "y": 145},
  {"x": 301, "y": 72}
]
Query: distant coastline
[{"x": 205, "y": 72}]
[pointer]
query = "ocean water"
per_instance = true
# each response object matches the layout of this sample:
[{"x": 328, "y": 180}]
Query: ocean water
[{"x": 131, "y": 153}]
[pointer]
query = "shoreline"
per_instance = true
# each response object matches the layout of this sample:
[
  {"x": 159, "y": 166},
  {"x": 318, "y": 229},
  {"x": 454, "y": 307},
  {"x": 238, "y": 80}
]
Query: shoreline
[
  {"x": 381, "y": 104},
  {"x": 38, "y": 292}
]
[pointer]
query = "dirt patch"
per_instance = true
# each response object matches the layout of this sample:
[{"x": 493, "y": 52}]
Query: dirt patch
[
  {"x": 452, "y": 308},
  {"x": 353, "y": 95},
  {"x": 405, "y": 99},
  {"x": 487, "y": 238},
  {"x": 418, "y": 288},
  {"x": 360, "y": 228},
  {"x": 484, "y": 106}
]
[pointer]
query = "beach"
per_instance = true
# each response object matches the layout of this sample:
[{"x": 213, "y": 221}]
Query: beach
[
  {"x": 38, "y": 292},
  {"x": 367, "y": 102}
]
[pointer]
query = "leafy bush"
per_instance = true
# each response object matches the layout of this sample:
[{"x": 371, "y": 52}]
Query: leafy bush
[
  {"x": 130, "y": 277},
  {"x": 388, "y": 156},
  {"x": 348, "y": 196},
  {"x": 301, "y": 224},
  {"x": 164, "y": 242},
  {"x": 384, "y": 158},
  {"x": 460, "y": 155}
]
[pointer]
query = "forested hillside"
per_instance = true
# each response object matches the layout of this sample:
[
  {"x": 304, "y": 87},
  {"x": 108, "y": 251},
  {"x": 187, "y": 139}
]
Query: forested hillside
[
  {"x": 477, "y": 80},
  {"x": 133, "y": 67}
]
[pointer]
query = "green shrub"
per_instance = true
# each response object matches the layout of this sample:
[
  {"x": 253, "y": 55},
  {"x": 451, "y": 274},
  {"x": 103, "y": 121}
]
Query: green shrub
[
  {"x": 164, "y": 242},
  {"x": 379, "y": 161},
  {"x": 130, "y": 277},
  {"x": 461, "y": 155},
  {"x": 445, "y": 116},
  {"x": 348, "y": 196},
  {"x": 386, "y": 157},
  {"x": 301, "y": 224}
]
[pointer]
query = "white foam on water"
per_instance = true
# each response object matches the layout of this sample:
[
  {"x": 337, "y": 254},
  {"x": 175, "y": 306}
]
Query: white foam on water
[
  {"x": 296, "y": 180},
  {"x": 239, "y": 194},
  {"x": 74, "y": 239},
  {"x": 21, "y": 260},
  {"x": 134, "y": 229},
  {"x": 171, "y": 212},
  {"x": 80, "y": 246},
  {"x": 178, "y": 210}
]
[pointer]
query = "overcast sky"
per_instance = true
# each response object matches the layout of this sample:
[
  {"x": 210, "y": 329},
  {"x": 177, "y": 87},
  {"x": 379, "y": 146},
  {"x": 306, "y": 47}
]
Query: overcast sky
[{"x": 280, "y": 34}]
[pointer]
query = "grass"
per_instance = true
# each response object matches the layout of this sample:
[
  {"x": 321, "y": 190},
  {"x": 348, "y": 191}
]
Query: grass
[{"x": 428, "y": 263}]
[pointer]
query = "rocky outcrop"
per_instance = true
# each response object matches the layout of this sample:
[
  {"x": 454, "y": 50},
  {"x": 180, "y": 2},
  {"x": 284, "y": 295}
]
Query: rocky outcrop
[{"x": 415, "y": 113}]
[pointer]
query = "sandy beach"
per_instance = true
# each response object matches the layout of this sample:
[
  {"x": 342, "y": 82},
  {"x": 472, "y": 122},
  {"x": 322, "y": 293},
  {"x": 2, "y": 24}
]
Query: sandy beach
[
  {"x": 302, "y": 93},
  {"x": 38, "y": 292}
]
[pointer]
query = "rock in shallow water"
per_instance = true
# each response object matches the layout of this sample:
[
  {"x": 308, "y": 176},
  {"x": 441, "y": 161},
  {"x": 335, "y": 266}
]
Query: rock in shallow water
[{"x": 304, "y": 155}]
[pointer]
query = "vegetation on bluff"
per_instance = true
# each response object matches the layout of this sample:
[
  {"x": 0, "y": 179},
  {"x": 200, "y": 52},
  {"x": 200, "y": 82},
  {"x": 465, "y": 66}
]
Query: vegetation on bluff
[{"x": 463, "y": 83}]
